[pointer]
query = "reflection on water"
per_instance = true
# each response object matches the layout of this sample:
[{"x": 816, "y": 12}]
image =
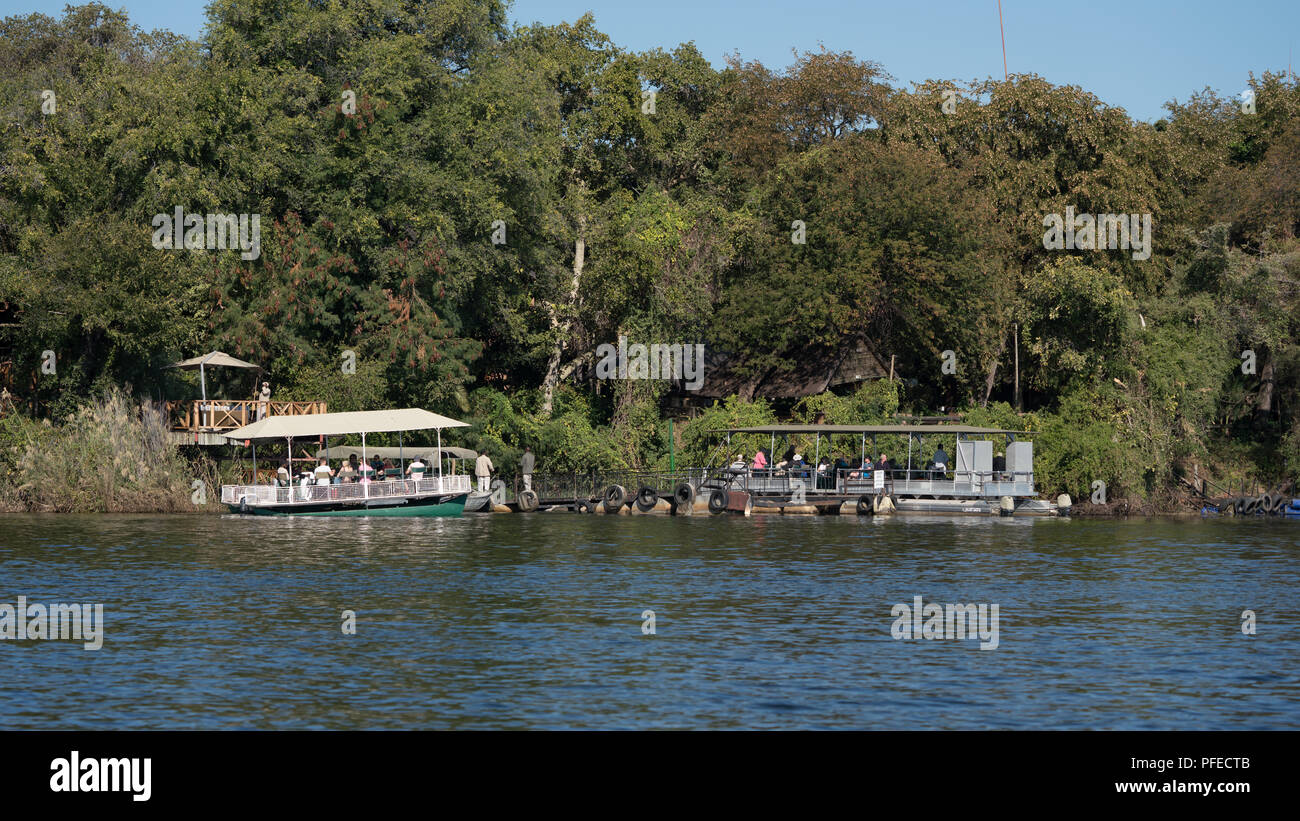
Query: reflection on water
[{"x": 535, "y": 621}]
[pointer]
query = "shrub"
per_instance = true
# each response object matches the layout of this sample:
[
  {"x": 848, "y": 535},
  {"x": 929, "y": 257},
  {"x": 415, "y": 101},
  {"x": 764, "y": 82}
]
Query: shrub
[{"x": 109, "y": 456}]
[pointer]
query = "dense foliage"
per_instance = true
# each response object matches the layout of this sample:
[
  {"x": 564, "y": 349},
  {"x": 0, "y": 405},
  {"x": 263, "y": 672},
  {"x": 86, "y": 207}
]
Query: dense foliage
[{"x": 471, "y": 208}]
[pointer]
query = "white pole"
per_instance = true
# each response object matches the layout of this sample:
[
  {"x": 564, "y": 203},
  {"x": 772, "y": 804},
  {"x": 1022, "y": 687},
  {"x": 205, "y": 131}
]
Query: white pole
[
  {"x": 364, "y": 463},
  {"x": 439, "y": 458}
]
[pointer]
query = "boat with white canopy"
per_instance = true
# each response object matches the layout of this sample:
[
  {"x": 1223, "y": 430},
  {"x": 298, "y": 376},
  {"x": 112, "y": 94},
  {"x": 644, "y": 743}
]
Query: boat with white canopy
[{"x": 436, "y": 493}]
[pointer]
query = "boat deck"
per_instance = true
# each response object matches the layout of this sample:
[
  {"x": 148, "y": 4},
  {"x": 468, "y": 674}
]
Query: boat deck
[
  {"x": 852, "y": 483},
  {"x": 359, "y": 492}
]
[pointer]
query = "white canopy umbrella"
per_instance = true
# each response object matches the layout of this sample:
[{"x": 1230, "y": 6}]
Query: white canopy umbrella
[{"x": 216, "y": 359}]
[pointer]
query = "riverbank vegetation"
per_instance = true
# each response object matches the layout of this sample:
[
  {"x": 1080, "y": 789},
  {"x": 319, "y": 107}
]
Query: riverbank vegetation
[
  {"x": 471, "y": 208},
  {"x": 110, "y": 456}
]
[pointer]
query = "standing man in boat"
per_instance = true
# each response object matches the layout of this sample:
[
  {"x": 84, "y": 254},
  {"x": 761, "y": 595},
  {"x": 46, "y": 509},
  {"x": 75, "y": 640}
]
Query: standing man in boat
[
  {"x": 526, "y": 465},
  {"x": 483, "y": 468}
]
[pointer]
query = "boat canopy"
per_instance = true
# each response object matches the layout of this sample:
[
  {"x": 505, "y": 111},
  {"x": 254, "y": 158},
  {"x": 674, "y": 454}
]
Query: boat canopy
[
  {"x": 410, "y": 452},
  {"x": 340, "y": 424},
  {"x": 872, "y": 429}
]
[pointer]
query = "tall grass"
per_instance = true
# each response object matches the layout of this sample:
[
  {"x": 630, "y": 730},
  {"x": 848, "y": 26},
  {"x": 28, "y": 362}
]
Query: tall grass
[{"x": 111, "y": 456}]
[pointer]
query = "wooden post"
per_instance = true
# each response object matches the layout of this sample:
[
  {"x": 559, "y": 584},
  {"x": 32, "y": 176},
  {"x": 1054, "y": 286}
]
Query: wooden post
[
  {"x": 1016, "y": 344},
  {"x": 891, "y": 367}
]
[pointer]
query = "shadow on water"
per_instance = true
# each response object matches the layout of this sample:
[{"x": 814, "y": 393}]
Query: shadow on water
[{"x": 536, "y": 621}]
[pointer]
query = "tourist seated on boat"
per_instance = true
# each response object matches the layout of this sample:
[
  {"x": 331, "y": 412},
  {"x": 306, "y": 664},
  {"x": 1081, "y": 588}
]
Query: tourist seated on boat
[
  {"x": 416, "y": 469},
  {"x": 999, "y": 467},
  {"x": 377, "y": 465},
  {"x": 282, "y": 476},
  {"x": 323, "y": 472},
  {"x": 803, "y": 467},
  {"x": 760, "y": 460},
  {"x": 939, "y": 464},
  {"x": 883, "y": 465},
  {"x": 841, "y": 464},
  {"x": 738, "y": 463},
  {"x": 346, "y": 474},
  {"x": 864, "y": 469},
  {"x": 787, "y": 459}
]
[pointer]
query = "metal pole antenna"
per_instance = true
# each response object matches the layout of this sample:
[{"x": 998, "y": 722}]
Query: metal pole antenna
[{"x": 1006, "y": 75}]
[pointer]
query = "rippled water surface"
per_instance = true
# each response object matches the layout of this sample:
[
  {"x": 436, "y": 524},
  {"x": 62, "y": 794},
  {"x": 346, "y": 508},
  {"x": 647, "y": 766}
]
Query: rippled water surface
[{"x": 535, "y": 621}]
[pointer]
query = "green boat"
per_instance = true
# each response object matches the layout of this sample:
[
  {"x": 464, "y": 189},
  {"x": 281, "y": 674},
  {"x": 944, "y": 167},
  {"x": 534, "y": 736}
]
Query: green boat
[{"x": 438, "y": 494}]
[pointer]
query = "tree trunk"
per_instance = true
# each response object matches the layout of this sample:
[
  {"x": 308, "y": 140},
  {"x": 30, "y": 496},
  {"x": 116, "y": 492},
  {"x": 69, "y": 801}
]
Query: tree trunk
[
  {"x": 993, "y": 372},
  {"x": 561, "y": 326},
  {"x": 1264, "y": 399}
]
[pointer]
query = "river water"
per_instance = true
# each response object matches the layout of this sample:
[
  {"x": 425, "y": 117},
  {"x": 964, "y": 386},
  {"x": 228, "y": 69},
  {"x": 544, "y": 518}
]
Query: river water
[{"x": 536, "y": 621}]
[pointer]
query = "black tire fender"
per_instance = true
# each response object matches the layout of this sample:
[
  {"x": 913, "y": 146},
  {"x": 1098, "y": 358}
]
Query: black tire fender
[
  {"x": 615, "y": 498},
  {"x": 646, "y": 498},
  {"x": 684, "y": 494},
  {"x": 718, "y": 501}
]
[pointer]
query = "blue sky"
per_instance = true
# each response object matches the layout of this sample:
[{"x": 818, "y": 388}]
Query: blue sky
[{"x": 1132, "y": 53}]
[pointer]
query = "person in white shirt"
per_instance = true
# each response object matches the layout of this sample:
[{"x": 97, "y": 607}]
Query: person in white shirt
[
  {"x": 263, "y": 401},
  {"x": 483, "y": 468},
  {"x": 323, "y": 473},
  {"x": 416, "y": 469}
]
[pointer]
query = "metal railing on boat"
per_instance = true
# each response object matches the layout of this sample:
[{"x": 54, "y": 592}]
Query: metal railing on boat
[
  {"x": 345, "y": 492},
  {"x": 559, "y": 488}
]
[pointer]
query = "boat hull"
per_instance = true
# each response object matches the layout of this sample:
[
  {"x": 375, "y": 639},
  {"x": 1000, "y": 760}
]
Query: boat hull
[
  {"x": 445, "y": 504},
  {"x": 479, "y": 503}
]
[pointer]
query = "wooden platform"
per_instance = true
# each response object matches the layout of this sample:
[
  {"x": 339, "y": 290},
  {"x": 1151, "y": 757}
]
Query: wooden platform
[{"x": 198, "y": 422}]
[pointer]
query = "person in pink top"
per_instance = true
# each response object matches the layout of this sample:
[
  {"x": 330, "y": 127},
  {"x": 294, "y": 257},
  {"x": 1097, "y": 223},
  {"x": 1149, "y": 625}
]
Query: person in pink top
[{"x": 760, "y": 460}]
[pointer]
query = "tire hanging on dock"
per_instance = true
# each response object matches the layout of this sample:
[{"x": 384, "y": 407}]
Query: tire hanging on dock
[
  {"x": 646, "y": 499},
  {"x": 684, "y": 494},
  {"x": 718, "y": 501},
  {"x": 615, "y": 498},
  {"x": 864, "y": 505}
]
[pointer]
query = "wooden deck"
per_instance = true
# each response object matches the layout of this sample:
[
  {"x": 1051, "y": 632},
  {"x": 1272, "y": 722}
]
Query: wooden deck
[{"x": 196, "y": 419}]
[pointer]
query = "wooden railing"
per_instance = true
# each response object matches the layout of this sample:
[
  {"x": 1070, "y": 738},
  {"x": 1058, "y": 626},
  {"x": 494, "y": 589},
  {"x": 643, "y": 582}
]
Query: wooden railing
[{"x": 196, "y": 415}]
